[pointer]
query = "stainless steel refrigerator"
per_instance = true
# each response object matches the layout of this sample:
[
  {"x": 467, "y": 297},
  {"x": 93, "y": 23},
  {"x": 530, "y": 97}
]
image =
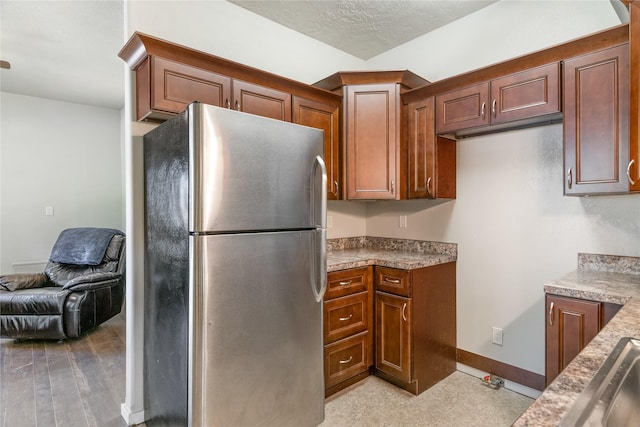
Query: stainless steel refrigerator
[{"x": 235, "y": 271}]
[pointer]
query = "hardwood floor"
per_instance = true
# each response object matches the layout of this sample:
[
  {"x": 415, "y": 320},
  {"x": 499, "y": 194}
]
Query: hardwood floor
[{"x": 73, "y": 383}]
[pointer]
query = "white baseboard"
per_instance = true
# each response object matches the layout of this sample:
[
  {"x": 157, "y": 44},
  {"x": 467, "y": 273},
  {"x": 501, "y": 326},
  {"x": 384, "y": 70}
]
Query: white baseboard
[
  {"x": 509, "y": 385},
  {"x": 28, "y": 266},
  {"x": 131, "y": 418}
]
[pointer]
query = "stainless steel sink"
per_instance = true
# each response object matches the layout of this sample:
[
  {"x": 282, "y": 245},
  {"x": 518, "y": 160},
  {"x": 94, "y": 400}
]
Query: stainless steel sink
[{"x": 612, "y": 398}]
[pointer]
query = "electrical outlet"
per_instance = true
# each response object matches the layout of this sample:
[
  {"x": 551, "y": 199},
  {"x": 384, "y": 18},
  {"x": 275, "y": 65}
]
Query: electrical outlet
[
  {"x": 497, "y": 336},
  {"x": 48, "y": 210},
  {"x": 329, "y": 221},
  {"x": 403, "y": 221}
]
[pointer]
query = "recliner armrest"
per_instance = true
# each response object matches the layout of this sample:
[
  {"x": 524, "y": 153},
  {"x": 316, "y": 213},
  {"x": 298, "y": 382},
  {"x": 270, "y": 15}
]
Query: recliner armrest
[
  {"x": 14, "y": 282},
  {"x": 92, "y": 281}
]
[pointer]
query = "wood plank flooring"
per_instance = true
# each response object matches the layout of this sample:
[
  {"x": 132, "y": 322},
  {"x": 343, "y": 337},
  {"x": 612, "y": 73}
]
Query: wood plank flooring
[{"x": 72, "y": 383}]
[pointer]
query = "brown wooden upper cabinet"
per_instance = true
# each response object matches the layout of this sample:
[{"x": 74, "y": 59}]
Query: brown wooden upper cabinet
[
  {"x": 173, "y": 86},
  {"x": 596, "y": 122},
  {"x": 326, "y": 117},
  {"x": 519, "y": 99},
  {"x": 169, "y": 77},
  {"x": 432, "y": 159},
  {"x": 374, "y": 164},
  {"x": 633, "y": 168}
]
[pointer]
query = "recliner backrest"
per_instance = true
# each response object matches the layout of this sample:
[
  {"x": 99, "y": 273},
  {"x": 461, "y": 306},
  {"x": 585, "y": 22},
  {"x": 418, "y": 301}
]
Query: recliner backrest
[{"x": 113, "y": 261}]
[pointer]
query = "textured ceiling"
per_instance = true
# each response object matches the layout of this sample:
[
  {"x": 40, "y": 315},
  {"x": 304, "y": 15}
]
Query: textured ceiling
[{"x": 363, "y": 28}]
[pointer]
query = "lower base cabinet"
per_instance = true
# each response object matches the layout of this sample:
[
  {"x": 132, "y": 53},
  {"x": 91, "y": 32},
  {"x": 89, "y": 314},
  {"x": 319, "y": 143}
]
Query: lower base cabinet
[
  {"x": 571, "y": 323},
  {"x": 415, "y": 330}
]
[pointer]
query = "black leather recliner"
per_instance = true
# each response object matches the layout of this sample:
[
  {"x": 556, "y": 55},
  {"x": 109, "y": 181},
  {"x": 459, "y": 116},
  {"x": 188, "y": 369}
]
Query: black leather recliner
[{"x": 82, "y": 286}]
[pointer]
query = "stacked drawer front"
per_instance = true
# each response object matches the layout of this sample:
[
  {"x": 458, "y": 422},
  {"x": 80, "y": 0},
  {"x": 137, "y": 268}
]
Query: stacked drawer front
[{"x": 347, "y": 322}]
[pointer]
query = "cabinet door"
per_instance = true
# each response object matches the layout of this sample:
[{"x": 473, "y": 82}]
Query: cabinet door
[
  {"x": 261, "y": 101},
  {"x": 570, "y": 325},
  {"x": 462, "y": 109},
  {"x": 326, "y": 117},
  {"x": 531, "y": 93},
  {"x": 633, "y": 167},
  {"x": 372, "y": 141},
  {"x": 393, "y": 335},
  {"x": 165, "y": 88},
  {"x": 596, "y": 122},
  {"x": 432, "y": 159}
]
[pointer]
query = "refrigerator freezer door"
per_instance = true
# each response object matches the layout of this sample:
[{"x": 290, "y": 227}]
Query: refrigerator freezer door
[
  {"x": 256, "y": 354},
  {"x": 251, "y": 173}
]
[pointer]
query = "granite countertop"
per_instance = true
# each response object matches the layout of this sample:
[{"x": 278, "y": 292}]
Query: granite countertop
[
  {"x": 602, "y": 278},
  {"x": 404, "y": 254}
]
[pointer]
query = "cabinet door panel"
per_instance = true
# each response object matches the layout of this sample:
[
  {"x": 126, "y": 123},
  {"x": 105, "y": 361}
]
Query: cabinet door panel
[
  {"x": 325, "y": 117},
  {"x": 527, "y": 94},
  {"x": 462, "y": 109},
  {"x": 261, "y": 101},
  {"x": 634, "y": 89},
  {"x": 596, "y": 122},
  {"x": 372, "y": 141},
  {"x": 421, "y": 122},
  {"x": 175, "y": 85},
  {"x": 570, "y": 325},
  {"x": 393, "y": 335}
]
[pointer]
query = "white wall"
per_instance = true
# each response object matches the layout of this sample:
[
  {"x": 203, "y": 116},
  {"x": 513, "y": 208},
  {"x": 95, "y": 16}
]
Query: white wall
[
  {"x": 57, "y": 154},
  {"x": 514, "y": 228}
]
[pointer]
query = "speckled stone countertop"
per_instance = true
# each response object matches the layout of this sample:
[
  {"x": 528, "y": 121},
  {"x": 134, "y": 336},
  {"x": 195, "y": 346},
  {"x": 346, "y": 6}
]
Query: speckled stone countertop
[
  {"x": 614, "y": 279},
  {"x": 404, "y": 254}
]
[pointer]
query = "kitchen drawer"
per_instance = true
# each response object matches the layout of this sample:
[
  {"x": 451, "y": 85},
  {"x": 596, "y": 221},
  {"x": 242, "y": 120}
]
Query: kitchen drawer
[
  {"x": 393, "y": 281},
  {"x": 345, "y": 358},
  {"x": 346, "y": 282},
  {"x": 345, "y": 316}
]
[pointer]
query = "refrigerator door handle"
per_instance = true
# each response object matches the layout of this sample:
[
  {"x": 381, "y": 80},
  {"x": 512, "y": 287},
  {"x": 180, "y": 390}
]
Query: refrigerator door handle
[
  {"x": 319, "y": 284},
  {"x": 322, "y": 211}
]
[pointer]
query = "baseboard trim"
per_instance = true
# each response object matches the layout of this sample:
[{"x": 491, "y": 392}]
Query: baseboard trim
[
  {"x": 131, "y": 418},
  {"x": 508, "y": 372}
]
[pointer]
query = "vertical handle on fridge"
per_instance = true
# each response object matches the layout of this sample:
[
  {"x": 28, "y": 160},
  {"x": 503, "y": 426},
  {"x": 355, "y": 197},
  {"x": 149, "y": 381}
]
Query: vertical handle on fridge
[{"x": 319, "y": 211}]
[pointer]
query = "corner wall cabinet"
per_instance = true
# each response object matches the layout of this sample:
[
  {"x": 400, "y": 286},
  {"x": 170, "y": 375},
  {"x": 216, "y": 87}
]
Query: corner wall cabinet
[
  {"x": 571, "y": 324},
  {"x": 526, "y": 97},
  {"x": 596, "y": 122},
  {"x": 432, "y": 159},
  {"x": 374, "y": 162},
  {"x": 169, "y": 77},
  {"x": 348, "y": 327},
  {"x": 415, "y": 335}
]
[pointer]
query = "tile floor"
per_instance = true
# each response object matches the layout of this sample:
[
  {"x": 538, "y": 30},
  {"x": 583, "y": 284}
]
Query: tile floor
[{"x": 457, "y": 401}]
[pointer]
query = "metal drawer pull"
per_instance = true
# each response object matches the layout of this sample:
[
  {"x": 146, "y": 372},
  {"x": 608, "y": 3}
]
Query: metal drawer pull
[
  {"x": 493, "y": 107},
  {"x": 404, "y": 316},
  {"x": 345, "y": 283},
  {"x": 631, "y": 181},
  {"x": 484, "y": 104},
  {"x": 551, "y": 314},
  {"x": 228, "y": 103},
  {"x": 394, "y": 281},
  {"x": 342, "y": 319},
  {"x": 342, "y": 362},
  {"x": 429, "y": 186},
  {"x": 237, "y": 106},
  {"x": 335, "y": 193},
  {"x": 569, "y": 178}
]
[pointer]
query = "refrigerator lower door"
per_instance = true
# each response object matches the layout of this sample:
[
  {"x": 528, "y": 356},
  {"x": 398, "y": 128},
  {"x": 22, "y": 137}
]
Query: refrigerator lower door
[{"x": 256, "y": 355}]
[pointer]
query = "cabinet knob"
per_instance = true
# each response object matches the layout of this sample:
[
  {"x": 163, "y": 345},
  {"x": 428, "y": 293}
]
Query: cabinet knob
[
  {"x": 551, "y": 314},
  {"x": 631, "y": 181},
  {"x": 569, "y": 178}
]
